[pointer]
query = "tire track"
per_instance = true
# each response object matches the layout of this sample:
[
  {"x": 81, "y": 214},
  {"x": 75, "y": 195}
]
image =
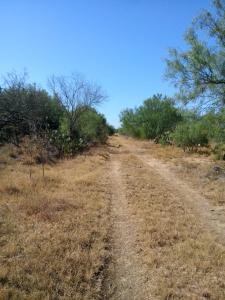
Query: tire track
[{"x": 126, "y": 274}]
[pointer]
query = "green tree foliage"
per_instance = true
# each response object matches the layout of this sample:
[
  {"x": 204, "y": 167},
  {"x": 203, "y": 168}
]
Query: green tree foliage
[
  {"x": 92, "y": 127},
  {"x": 199, "y": 75},
  {"x": 130, "y": 122},
  {"x": 66, "y": 120},
  {"x": 111, "y": 129},
  {"x": 156, "y": 116},
  {"x": 201, "y": 130},
  {"x": 214, "y": 123},
  {"x": 26, "y": 109},
  {"x": 77, "y": 95},
  {"x": 190, "y": 135},
  {"x": 199, "y": 72}
]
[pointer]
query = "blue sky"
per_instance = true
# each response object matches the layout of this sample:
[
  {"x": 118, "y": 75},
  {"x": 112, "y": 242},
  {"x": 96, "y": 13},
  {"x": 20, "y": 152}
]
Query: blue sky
[{"x": 120, "y": 44}]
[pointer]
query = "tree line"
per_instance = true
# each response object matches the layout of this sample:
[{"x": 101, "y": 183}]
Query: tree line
[
  {"x": 198, "y": 75},
  {"x": 65, "y": 119}
]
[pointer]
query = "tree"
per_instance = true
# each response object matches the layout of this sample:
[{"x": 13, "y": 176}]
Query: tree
[
  {"x": 64, "y": 123},
  {"x": 93, "y": 127},
  {"x": 190, "y": 135},
  {"x": 158, "y": 115},
  {"x": 77, "y": 95},
  {"x": 130, "y": 122},
  {"x": 152, "y": 119},
  {"x": 214, "y": 124},
  {"x": 26, "y": 109},
  {"x": 199, "y": 72}
]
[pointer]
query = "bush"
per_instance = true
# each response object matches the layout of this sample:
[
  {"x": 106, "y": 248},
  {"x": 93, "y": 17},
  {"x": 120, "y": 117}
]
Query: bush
[
  {"x": 219, "y": 151},
  {"x": 190, "y": 135},
  {"x": 92, "y": 127},
  {"x": 27, "y": 110},
  {"x": 65, "y": 145},
  {"x": 111, "y": 130},
  {"x": 66, "y": 119},
  {"x": 214, "y": 123},
  {"x": 156, "y": 116},
  {"x": 130, "y": 123},
  {"x": 165, "y": 138}
]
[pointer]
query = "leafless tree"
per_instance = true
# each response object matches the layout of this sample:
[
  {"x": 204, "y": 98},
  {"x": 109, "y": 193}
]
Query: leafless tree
[
  {"x": 76, "y": 94},
  {"x": 12, "y": 105},
  {"x": 14, "y": 80}
]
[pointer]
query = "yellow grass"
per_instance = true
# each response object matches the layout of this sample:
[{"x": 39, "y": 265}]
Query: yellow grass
[
  {"x": 197, "y": 169},
  {"x": 56, "y": 232},
  {"x": 183, "y": 260},
  {"x": 53, "y": 230}
]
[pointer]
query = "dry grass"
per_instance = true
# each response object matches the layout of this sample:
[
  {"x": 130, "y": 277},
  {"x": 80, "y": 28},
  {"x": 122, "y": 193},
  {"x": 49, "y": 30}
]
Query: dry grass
[
  {"x": 198, "y": 170},
  {"x": 195, "y": 168},
  {"x": 183, "y": 260},
  {"x": 54, "y": 231}
]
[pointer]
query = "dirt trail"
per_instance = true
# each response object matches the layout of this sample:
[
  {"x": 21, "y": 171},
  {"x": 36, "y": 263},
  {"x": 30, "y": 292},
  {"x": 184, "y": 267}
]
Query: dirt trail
[
  {"x": 129, "y": 277},
  {"x": 209, "y": 216},
  {"x": 129, "y": 280}
]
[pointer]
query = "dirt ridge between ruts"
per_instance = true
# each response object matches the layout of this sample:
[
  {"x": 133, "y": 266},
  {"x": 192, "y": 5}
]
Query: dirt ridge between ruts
[{"x": 126, "y": 274}]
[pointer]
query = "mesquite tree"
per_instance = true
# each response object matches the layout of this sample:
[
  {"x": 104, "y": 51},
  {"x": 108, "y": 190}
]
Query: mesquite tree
[
  {"x": 77, "y": 95},
  {"x": 199, "y": 72}
]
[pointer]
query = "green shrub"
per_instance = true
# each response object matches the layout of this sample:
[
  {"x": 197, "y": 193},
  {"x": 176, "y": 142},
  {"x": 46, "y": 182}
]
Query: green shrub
[
  {"x": 219, "y": 151},
  {"x": 66, "y": 119},
  {"x": 27, "y": 110},
  {"x": 92, "y": 127},
  {"x": 165, "y": 138},
  {"x": 214, "y": 123},
  {"x": 65, "y": 145},
  {"x": 111, "y": 129},
  {"x": 130, "y": 122},
  {"x": 151, "y": 120},
  {"x": 190, "y": 135}
]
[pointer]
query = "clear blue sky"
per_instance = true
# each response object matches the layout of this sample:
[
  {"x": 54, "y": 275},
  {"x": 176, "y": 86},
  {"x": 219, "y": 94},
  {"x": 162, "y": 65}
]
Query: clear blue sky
[{"x": 120, "y": 44}]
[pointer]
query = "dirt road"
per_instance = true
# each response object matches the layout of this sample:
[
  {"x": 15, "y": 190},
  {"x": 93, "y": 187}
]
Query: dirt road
[
  {"x": 129, "y": 280},
  {"x": 129, "y": 220},
  {"x": 167, "y": 241}
]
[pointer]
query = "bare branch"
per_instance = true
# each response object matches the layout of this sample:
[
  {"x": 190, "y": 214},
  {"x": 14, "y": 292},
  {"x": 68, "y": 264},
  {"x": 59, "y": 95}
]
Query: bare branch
[{"x": 76, "y": 94}]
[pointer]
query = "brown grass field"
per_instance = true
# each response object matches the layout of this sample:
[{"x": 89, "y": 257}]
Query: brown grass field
[
  {"x": 128, "y": 220},
  {"x": 54, "y": 230}
]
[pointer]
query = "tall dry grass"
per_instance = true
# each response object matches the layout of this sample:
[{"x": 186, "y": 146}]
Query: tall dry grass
[
  {"x": 183, "y": 259},
  {"x": 54, "y": 231},
  {"x": 197, "y": 169}
]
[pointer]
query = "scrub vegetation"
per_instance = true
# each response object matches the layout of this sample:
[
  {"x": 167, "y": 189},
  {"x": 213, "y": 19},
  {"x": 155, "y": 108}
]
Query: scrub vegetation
[
  {"x": 64, "y": 122},
  {"x": 198, "y": 75},
  {"x": 90, "y": 213}
]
